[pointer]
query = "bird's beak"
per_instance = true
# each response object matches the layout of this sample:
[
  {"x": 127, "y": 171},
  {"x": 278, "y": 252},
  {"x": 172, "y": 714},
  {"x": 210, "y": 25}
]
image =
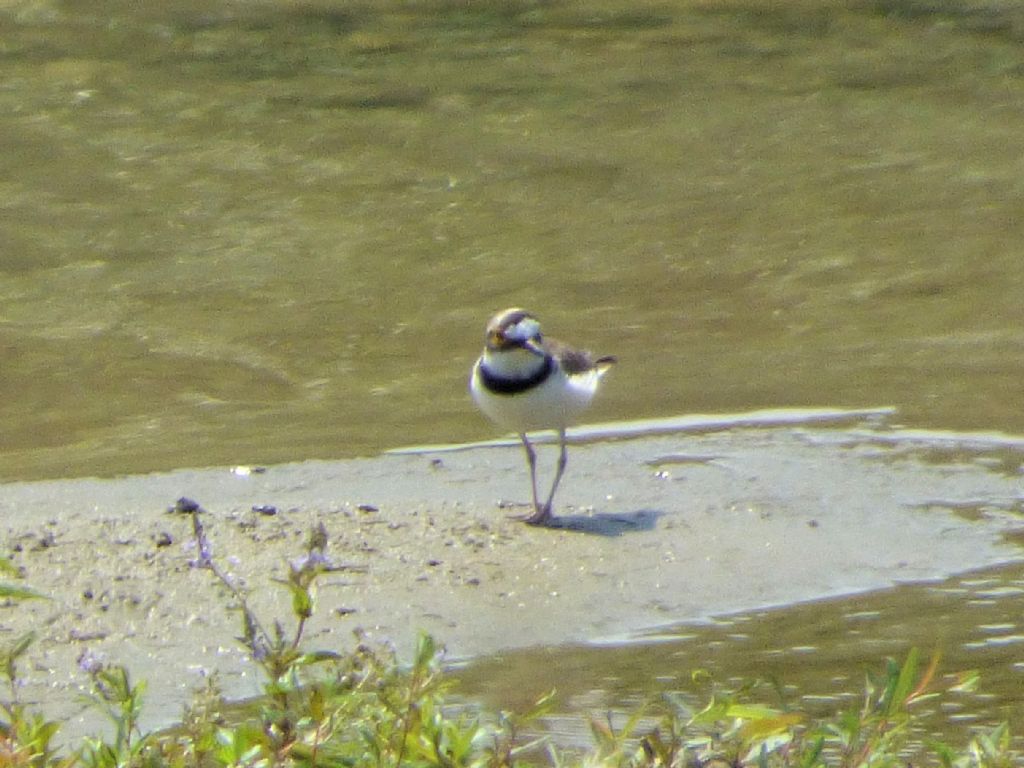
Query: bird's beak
[{"x": 534, "y": 346}]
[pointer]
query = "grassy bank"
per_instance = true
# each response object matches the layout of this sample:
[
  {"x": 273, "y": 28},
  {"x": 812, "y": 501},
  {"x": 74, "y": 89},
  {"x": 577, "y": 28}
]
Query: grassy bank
[{"x": 363, "y": 707}]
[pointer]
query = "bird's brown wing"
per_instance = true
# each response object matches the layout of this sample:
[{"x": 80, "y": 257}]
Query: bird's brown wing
[{"x": 574, "y": 360}]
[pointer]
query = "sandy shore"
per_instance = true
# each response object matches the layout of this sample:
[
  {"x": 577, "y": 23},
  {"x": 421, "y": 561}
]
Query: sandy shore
[{"x": 654, "y": 530}]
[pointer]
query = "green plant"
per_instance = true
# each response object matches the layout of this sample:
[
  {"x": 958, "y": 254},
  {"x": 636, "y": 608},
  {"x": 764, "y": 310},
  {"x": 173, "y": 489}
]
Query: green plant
[
  {"x": 731, "y": 730},
  {"x": 115, "y": 696},
  {"x": 363, "y": 709},
  {"x": 26, "y": 738}
]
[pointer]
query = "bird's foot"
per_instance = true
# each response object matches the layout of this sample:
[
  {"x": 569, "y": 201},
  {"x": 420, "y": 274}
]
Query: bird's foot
[{"x": 541, "y": 516}]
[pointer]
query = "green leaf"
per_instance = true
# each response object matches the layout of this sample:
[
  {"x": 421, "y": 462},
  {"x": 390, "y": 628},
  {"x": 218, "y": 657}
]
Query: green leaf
[
  {"x": 813, "y": 753},
  {"x": 714, "y": 712},
  {"x": 21, "y": 645},
  {"x": 906, "y": 680},
  {"x": 318, "y": 657},
  {"x": 763, "y": 727},
  {"x": 750, "y": 711},
  {"x": 967, "y": 681},
  {"x": 12, "y": 592},
  {"x": 302, "y": 599}
]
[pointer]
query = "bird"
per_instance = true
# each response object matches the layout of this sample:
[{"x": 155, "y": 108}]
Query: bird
[{"x": 524, "y": 381}]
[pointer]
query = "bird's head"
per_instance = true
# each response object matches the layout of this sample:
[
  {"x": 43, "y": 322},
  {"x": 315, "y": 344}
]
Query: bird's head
[{"x": 514, "y": 329}]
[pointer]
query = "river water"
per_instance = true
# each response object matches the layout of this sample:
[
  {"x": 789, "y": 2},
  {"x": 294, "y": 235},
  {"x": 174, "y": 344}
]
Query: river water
[
  {"x": 251, "y": 232},
  {"x": 267, "y": 231},
  {"x": 815, "y": 658}
]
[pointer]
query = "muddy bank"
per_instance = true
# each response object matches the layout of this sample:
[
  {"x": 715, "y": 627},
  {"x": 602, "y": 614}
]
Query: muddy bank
[{"x": 655, "y": 530}]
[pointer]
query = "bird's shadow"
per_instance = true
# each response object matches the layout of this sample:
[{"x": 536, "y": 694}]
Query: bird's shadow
[{"x": 607, "y": 523}]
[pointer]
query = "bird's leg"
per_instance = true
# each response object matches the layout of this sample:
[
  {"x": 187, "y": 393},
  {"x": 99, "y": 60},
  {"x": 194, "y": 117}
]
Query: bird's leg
[
  {"x": 543, "y": 514},
  {"x": 563, "y": 460},
  {"x": 531, "y": 460}
]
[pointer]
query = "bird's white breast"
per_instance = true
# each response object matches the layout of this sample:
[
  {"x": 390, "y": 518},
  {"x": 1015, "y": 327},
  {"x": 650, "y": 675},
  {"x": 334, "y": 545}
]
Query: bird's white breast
[{"x": 555, "y": 403}]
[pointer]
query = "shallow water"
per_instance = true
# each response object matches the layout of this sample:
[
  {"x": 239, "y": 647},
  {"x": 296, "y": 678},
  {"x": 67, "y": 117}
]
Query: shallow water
[
  {"x": 251, "y": 233},
  {"x": 819, "y": 655},
  {"x": 265, "y": 232}
]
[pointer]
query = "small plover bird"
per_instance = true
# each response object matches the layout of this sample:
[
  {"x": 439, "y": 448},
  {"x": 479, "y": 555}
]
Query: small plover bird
[{"x": 525, "y": 382}]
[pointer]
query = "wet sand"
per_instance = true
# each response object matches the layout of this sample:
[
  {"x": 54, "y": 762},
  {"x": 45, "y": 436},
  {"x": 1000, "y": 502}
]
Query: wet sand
[{"x": 705, "y": 518}]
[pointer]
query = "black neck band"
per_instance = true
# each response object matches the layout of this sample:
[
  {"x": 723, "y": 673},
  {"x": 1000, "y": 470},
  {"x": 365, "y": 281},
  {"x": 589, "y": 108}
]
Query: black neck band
[{"x": 499, "y": 385}]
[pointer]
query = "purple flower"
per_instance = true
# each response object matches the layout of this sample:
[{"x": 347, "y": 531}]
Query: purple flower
[
  {"x": 309, "y": 561},
  {"x": 90, "y": 662},
  {"x": 205, "y": 556}
]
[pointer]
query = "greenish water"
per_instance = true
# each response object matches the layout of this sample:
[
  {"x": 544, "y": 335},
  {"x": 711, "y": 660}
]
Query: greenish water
[
  {"x": 814, "y": 658},
  {"x": 257, "y": 232},
  {"x": 273, "y": 231}
]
